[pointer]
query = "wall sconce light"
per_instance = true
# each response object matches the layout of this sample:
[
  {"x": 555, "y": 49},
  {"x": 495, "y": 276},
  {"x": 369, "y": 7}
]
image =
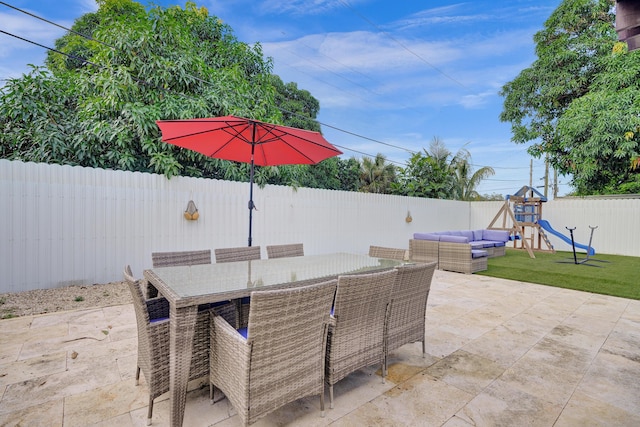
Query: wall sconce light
[
  {"x": 191, "y": 213},
  {"x": 408, "y": 218}
]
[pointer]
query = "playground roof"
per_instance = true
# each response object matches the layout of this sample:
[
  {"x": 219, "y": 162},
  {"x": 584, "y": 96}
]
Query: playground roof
[{"x": 526, "y": 189}]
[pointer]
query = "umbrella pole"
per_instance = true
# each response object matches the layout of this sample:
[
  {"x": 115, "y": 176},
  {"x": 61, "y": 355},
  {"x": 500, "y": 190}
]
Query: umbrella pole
[{"x": 251, "y": 205}]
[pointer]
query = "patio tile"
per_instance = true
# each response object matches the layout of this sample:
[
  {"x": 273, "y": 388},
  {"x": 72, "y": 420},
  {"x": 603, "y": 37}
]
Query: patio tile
[
  {"x": 538, "y": 378},
  {"x": 422, "y": 400},
  {"x": 632, "y": 311},
  {"x": 531, "y": 322},
  {"x": 583, "y": 410},
  {"x": 48, "y": 414},
  {"x": 568, "y": 334},
  {"x": 81, "y": 376},
  {"x": 43, "y": 345},
  {"x": 472, "y": 325},
  {"x": 33, "y": 368},
  {"x": 355, "y": 390},
  {"x": 502, "y": 345},
  {"x": 556, "y": 353},
  {"x": 441, "y": 343},
  {"x": 28, "y": 336},
  {"x": 613, "y": 379},
  {"x": 9, "y": 352},
  {"x": 105, "y": 402},
  {"x": 15, "y": 326},
  {"x": 410, "y": 355},
  {"x": 466, "y": 371},
  {"x": 603, "y": 307},
  {"x": 502, "y": 405}
]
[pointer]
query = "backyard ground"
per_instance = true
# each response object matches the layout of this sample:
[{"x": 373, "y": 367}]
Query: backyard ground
[{"x": 62, "y": 299}]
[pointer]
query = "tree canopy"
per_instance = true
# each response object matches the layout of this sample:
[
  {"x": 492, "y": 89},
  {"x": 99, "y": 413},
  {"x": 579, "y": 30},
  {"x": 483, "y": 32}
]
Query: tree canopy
[
  {"x": 578, "y": 102},
  {"x": 439, "y": 174},
  {"x": 125, "y": 66}
]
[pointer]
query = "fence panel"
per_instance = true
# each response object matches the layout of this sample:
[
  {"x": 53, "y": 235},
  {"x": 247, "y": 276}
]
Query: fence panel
[{"x": 63, "y": 225}]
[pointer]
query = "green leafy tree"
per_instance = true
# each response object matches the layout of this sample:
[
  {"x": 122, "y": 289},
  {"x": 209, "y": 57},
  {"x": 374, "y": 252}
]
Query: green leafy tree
[
  {"x": 438, "y": 174},
  {"x": 600, "y": 131},
  {"x": 97, "y": 107},
  {"x": 376, "y": 175},
  {"x": 298, "y": 107},
  {"x": 427, "y": 174},
  {"x": 349, "y": 174},
  {"x": 572, "y": 50}
]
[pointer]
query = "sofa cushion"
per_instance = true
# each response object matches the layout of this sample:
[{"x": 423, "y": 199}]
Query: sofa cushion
[
  {"x": 468, "y": 234},
  {"x": 478, "y": 253},
  {"x": 453, "y": 239},
  {"x": 477, "y": 234},
  {"x": 426, "y": 236},
  {"x": 487, "y": 243},
  {"x": 476, "y": 245},
  {"x": 497, "y": 235}
]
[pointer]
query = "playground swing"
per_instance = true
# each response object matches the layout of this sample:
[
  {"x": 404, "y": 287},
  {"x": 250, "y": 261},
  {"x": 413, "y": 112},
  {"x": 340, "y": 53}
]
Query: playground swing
[{"x": 590, "y": 250}]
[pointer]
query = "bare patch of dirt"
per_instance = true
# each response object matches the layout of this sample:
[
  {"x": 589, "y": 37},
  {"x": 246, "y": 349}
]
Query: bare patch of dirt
[{"x": 63, "y": 299}]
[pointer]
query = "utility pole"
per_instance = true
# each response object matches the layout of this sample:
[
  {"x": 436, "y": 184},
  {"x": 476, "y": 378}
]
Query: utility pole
[
  {"x": 531, "y": 176},
  {"x": 546, "y": 176}
]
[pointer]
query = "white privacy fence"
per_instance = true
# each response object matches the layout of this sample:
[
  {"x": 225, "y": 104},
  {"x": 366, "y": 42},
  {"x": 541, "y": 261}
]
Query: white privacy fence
[{"x": 63, "y": 225}]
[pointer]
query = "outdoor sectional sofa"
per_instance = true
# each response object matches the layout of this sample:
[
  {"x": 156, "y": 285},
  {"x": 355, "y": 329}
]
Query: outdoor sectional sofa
[{"x": 463, "y": 251}]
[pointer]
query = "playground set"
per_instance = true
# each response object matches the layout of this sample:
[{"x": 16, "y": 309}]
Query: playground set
[{"x": 521, "y": 215}]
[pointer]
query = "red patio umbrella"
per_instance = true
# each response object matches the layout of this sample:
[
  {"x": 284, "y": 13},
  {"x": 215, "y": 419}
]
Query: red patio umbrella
[{"x": 248, "y": 141}]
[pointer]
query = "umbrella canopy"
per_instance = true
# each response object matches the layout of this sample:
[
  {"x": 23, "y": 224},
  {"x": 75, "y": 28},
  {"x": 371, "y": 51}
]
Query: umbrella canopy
[{"x": 248, "y": 141}]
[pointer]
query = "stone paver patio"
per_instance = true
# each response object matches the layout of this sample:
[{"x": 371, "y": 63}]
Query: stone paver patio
[{"x": 499, "y": 353}]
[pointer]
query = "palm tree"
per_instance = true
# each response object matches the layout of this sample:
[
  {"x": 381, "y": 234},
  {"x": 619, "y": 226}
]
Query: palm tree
[
  {"x": 376, "y": 175},
  {"x": 466, "y": 181}
]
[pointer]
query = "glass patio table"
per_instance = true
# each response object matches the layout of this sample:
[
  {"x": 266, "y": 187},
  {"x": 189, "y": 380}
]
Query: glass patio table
[{"x": 187, "y": 287}]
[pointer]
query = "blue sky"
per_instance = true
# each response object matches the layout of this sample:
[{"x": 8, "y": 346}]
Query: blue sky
[{"x": 390, "y": 75}]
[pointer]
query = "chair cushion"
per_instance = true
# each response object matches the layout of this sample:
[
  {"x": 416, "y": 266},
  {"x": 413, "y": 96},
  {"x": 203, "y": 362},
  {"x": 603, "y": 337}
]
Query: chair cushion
[
  {"x": 426, "y": 236},
  {"x": 497, "y": 235},
  {"x": 485, "y": 243},
  {"x": 219, "y": 303},
  {"x": 159, "y": 319},
  {"x": 243, "y": 332},
  {"x": 478, "y": 253},
  {"x": 453, "y": 239}
]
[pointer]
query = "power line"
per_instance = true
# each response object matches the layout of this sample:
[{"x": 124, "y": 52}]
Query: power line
[{"x": 402, "y": 45}]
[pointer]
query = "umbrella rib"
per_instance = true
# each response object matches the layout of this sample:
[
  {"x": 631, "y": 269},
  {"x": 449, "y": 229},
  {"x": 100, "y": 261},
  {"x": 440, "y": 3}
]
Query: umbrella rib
[{"x": 270, "y": 131}]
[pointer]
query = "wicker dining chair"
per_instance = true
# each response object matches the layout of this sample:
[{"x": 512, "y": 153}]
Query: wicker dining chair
[
  {"x": 283, "y": 251},
  {"x": 279, "y": 357},
  {"x": 243, "y": 253},
  {"x": 408, "y": 306},
  {"x": 388, "y": 253},
  {"x": 177, "y": 258},
  {"x": 183, "y": 258},
  {"x": 168, "y": 259},
  {"x": 152, "y": 319},
  {"x": 356, "y": 332}
]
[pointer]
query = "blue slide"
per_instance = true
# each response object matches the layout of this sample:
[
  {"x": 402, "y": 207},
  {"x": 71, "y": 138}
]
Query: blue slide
[{"x": 547, "y": 227}]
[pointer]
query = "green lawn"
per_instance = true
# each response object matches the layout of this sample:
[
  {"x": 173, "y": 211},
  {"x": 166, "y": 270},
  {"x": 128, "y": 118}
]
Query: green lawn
[{"x": 619, "y": 276}]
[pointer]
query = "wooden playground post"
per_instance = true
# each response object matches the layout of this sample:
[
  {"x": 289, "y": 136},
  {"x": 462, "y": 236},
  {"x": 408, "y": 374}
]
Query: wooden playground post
[{"x": 515, "y": 229}]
